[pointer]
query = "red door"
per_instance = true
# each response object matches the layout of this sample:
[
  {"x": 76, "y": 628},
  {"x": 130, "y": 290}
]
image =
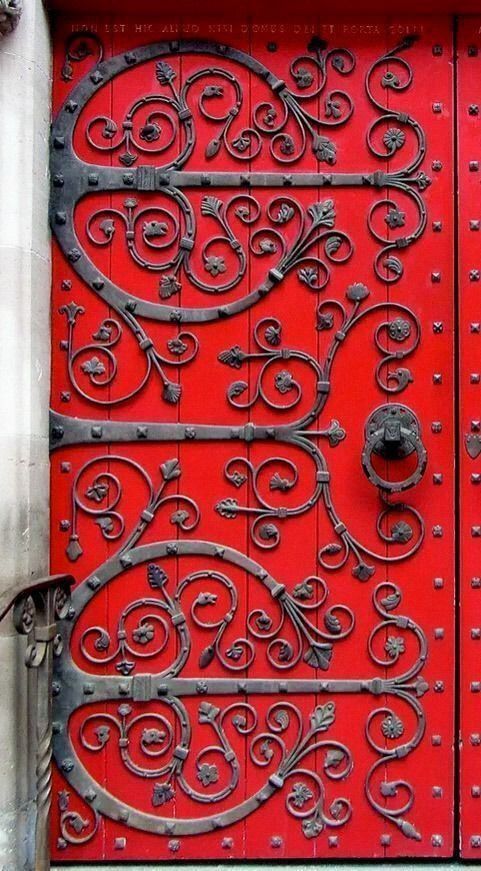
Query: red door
[
  {"x": 253, "y": 439},
  {"x": 469, "y": 94}
]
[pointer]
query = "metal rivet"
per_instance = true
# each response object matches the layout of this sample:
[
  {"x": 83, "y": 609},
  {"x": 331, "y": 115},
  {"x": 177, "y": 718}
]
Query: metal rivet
[
  {"x": 474, "y": 378},
  {"x": 436, "y": 426},
  {"x": 473, "y": 109},
  {"x": 473, "y": 165},
  {"x": 438, "y": 686},
  {"x": 437, "y": 378},
  {"x": 437, "y": 531},
  {"x": 437, "y": 50},
  {"x": 438, "y": 327},
  {"x": 437, "y": 792},
  {"x": 436, "y": 740},
  {"x": 65, "y": 467},
  {"x": 475, "y": 739},
  {"x": 474, "y": 274},
  {"x": 472, "y": 51},
  {"x": 437, "y": 226},
  {"x": 227, "y": 843},
  {"x": 437, "y": 108},
  {"x": 438, "y": 583},
  {"x": 437, "y": 478},
  {"x": 476, "y": 583},
  {"x": 476, "y": 531},
  {"x": 476, "y": 791},
  {"x": 475, "y": 686},
  {"x": 385, "y": 840},
  {"x": 333, "y": 841},
  {"x": 476, "y": 633},
  {"x": 476, "y": 841},
  {"x": 474, "y": 225},
  {"x": 435, "y": 277},
  {"x": 436, "y": 166},
  {"x": 276, "y": 841},
  {"x": 437, "y": 840},
  {"x": 439, "y": 633},
  {"x": 475, "y": 327},
  {"x": 120, "y": 843}
]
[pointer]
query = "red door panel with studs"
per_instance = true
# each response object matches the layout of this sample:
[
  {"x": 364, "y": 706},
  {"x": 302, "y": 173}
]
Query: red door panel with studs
[
  {"x": 252, "y": 438},
  {"x": 468, "y": 99}
]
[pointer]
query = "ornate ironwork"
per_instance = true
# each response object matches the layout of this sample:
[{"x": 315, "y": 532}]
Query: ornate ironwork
[
  {"x": 301, "y": 433},
  {"x": 163, "y": 758},
  {"x": 171, "y": 109},
  {"x": 155, "y": 630}
]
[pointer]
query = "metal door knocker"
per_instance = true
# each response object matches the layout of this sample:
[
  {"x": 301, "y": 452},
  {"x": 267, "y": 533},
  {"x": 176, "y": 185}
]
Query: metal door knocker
[{"x": 393, "y": 432}]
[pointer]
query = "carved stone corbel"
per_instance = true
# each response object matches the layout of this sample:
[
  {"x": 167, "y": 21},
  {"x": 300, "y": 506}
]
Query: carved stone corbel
[
  {"x": 10, "y": 12},
  {"x": 36, "y": 609}
]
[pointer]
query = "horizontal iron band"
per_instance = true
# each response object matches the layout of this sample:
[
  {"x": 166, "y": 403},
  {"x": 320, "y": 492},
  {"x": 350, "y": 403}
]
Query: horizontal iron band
[{"x": 149, "y": 687}]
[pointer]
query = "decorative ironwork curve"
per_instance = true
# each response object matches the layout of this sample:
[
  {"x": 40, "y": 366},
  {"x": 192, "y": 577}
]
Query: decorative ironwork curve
[
  {"x": 281, "y": 748},
  {"x": 72, "y": 178},
  {"x": 156, "y": 629},
  {"x": 407, "y": 532}
]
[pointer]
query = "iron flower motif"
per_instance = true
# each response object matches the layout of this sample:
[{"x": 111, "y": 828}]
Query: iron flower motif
[
  {"x": 392, "y": 726},
  {"x": 393, "y": 139},
  {"x": 207, "y": 774},
  {"x": 143, "y": 633},
  {"x": 394, "y": 646},
  {"x": 150, "y": 132},
  {"x": 300, "y": 794},
  {"x": 395, "y": 218},
  {"x": 399, "y": 329},
  {"x": 215, "y": 265}
]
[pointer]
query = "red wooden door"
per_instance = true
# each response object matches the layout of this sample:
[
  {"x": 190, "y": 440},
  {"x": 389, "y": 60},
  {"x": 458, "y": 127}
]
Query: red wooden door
[
  {"x": 252, "y": 437},
  {"x": 468, "y": 95}
]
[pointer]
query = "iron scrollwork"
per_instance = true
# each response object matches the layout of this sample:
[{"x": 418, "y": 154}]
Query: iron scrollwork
[
  {"x": 281, "y": 748},
  {"x": 398, "y": 323},
  {"x": 156, "y": 630},
  {"x": 175, "y": 178}
]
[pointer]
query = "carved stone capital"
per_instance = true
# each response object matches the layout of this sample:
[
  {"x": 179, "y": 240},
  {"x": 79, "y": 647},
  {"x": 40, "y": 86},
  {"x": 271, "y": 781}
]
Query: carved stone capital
[{"x": 10, "y": 12}]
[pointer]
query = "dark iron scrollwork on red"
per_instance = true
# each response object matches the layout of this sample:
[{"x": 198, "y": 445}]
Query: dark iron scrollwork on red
[{"x": 207, "y": 246}]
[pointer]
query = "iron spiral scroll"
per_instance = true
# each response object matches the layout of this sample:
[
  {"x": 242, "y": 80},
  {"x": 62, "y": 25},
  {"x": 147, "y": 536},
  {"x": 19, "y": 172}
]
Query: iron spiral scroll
[{"x": 301, "y": 625}]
